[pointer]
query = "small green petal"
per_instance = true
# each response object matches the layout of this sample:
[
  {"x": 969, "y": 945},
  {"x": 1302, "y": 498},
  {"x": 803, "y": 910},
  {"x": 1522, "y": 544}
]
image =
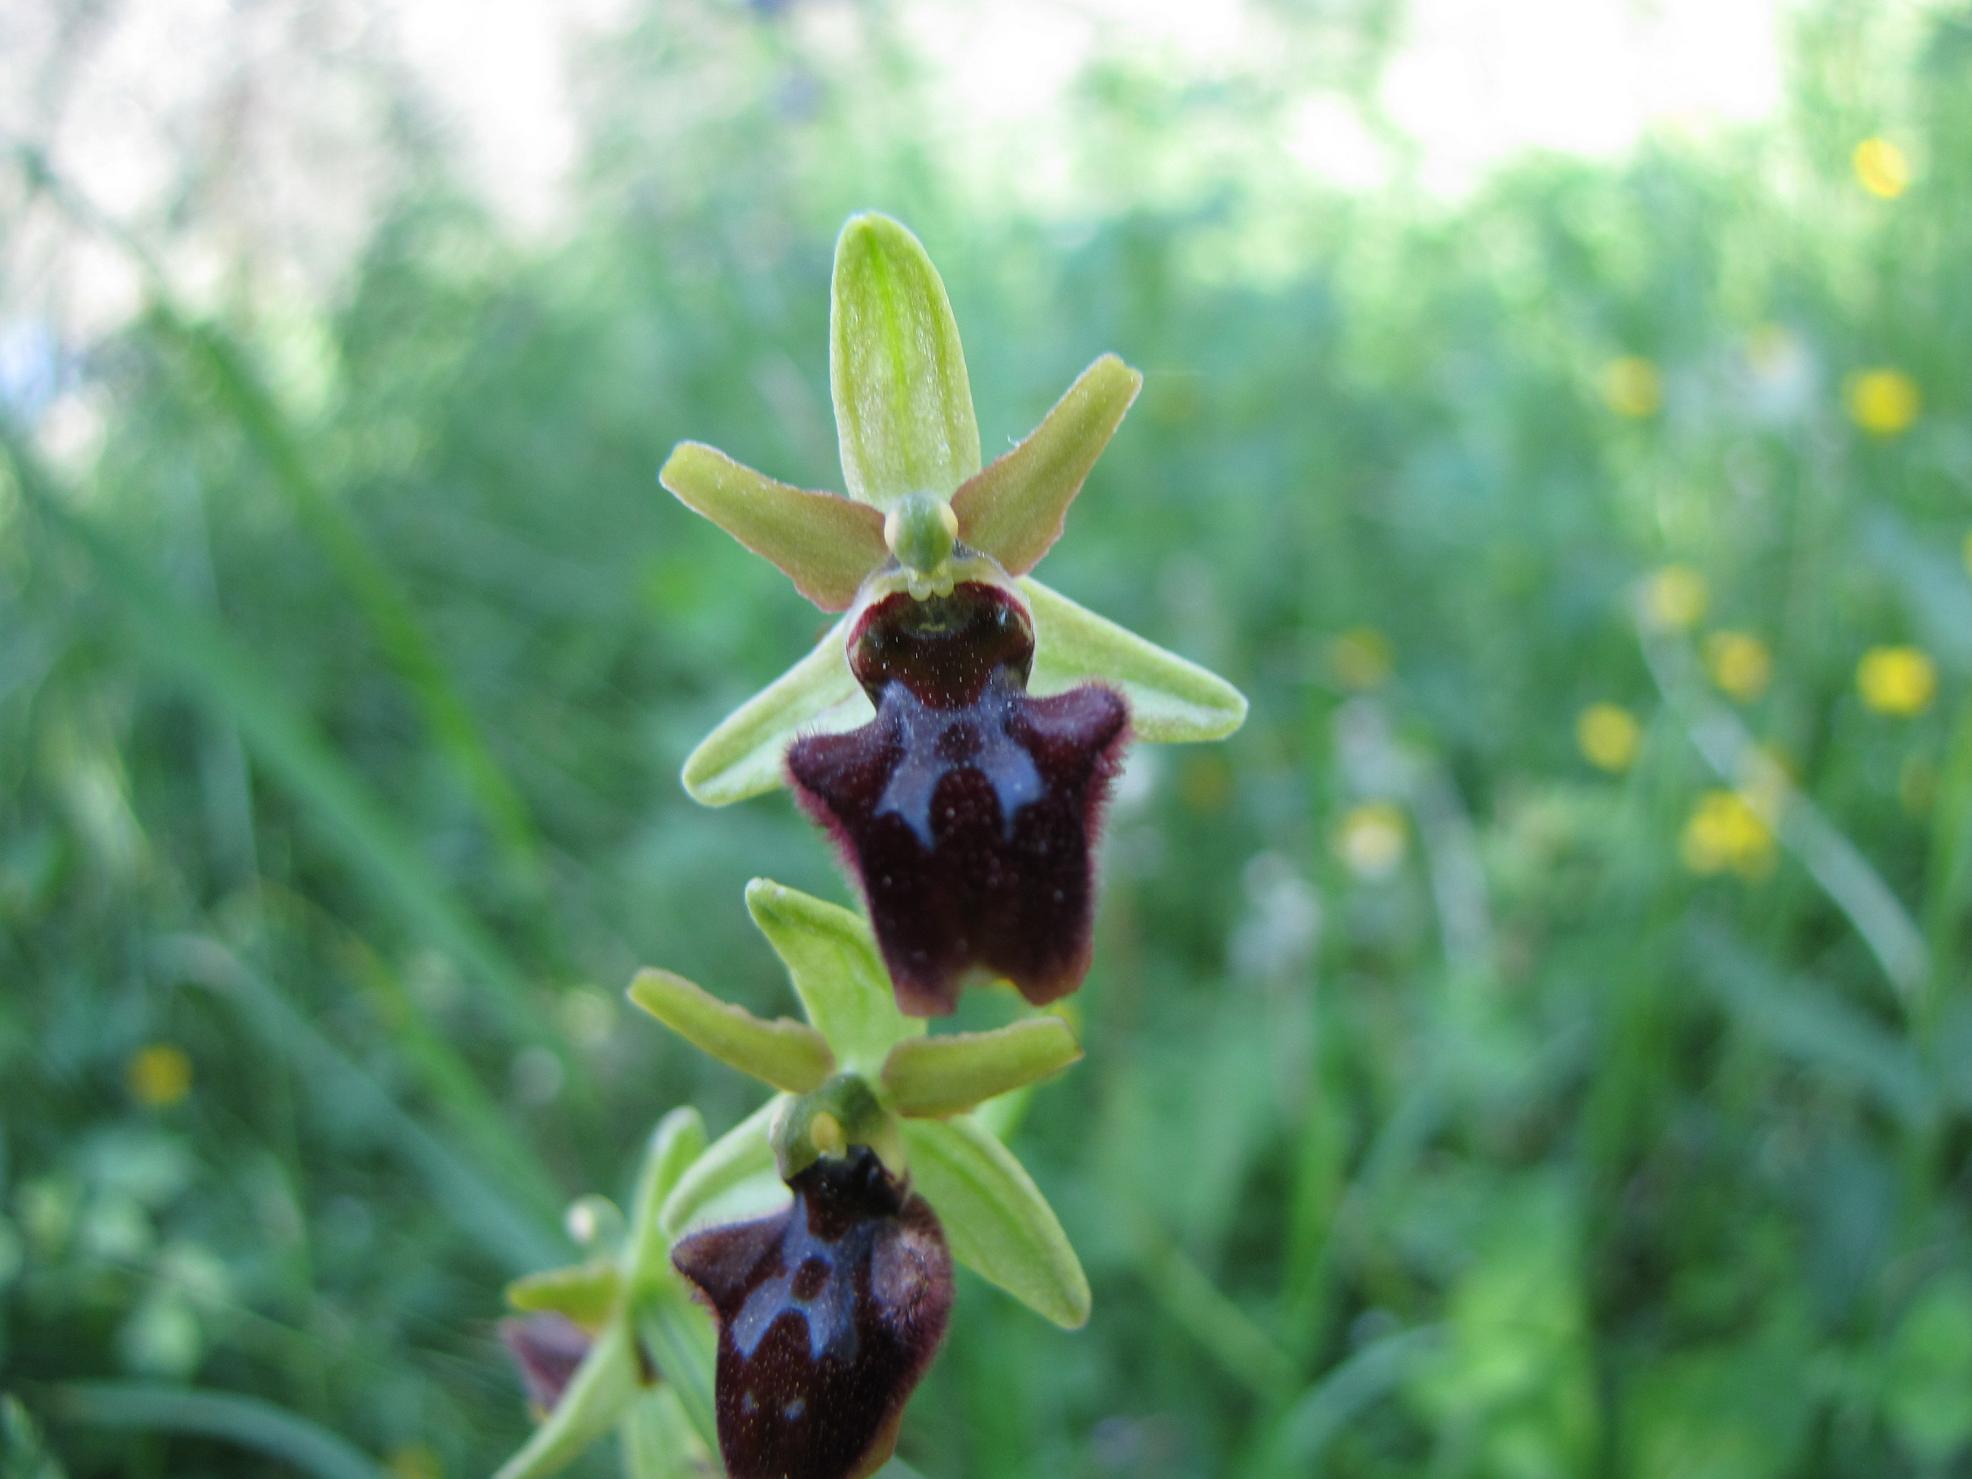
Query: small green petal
[
  {"x": 933, "y": 1077},
  {"x": 995, "y": 1218},
  {"x": 743, "y": 756},
  {"x": 782, "y": 1053},
  {"x": 1014, "y": 509},
  {"x": 585, "y": 1292},
  {"x": 824, "y": 543},
  {"x": 1171, "y": 700},
  {"x": 596, "y": 1396},
  {"x": 743, "y": 1152},
  {"x": 903, "y": 405},
  {"x": 832, "y": 959}
]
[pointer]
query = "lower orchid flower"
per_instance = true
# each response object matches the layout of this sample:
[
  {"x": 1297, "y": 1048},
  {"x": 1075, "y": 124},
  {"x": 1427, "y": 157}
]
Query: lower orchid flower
[{"x": 829, "y": 1312}]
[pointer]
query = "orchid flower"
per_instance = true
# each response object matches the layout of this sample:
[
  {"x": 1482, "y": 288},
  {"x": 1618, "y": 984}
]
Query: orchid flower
[{"x": 957, "y": 730}]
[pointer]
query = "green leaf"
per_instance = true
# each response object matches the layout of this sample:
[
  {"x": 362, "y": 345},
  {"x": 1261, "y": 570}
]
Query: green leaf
[
  {"x": 1171, "y": 700},
  {"x": 933, "y": 1077},
  {"x": 903, "y": 405},
  {"x": 743, "y": 756},
  {"x": 832, "y": 959},
  {"x": 995, "y": 1219},
  {"x": 824, "y": 543},
  {"x": 1013, "y": 510},
  {"x": 742, "y": 1152},
  {"x": 782, "y": 1053},
  {"x": 585, "y": 1292},
  {"x": 596, "y": 1396}
]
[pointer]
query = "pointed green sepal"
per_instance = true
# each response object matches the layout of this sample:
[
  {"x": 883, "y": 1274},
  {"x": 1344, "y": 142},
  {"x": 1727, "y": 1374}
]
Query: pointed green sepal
[
  {"x": 675, "y": 1147},
  {"x": 903, "y": 405},
  {"x": 824, "y": 543},
  {"x": 584, "y": 1292},
  {"x": 744, "y": 755},
  {"x": 1013, "y": 510},
  {"x": 832, "y": 959},
  {"x": 934, "y": 1077},
  {"x": 995, "y": 1218},
  {"x": 783, "y": 1053},
  {"x": 597, "y": 1395},
  {"x": 1171, "y": 700},
  {"x": 742, "y": 1153}
]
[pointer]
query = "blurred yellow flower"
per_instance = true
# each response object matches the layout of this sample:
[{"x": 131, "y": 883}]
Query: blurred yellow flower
[
  {"x": 1897, "y": 680},
  {"x": 1968, "y": 553},
  {"x": 1674, "y": 597},
  {"x": 1881, "y": 168},
  {"x": 1608, "y": 735},
  {"x": 159, "y": 1075},
  {"x": 1631, "y": 386},
  {"x": 1372, "y": 839},
  {"x": 1883, "y": 402},
  {"x": 1361, "y": 658},
  {"x": 1739, "y": 663},
  {"x": 414, "y": 1461},
  {"x": 1726, "y": 833},
  {"x": 1205, "y": 784}
]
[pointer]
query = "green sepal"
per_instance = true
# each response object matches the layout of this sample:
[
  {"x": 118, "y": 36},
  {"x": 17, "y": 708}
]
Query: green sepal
[
  {"x": 743, "y": 756},
  {"x": 903, "y": 404},
  {"x": 831, "y": 957},
  {"x": 995, "y": 1219},
  {"x": 675, "y": 1147},
  {"x": 935, "y": 1077},
  {"x": 659, "y": 1441},
  {"x": 783, "y": 1053},
  {"x": 824, "y": 543},
  {"x": 1171, "y": 700},
  {"x": 597, "y": 1396},
  {"x": 584, "y": 1292},
  {"x": 1013, "y": 509},
  {"x": 743, "y": 1152}
]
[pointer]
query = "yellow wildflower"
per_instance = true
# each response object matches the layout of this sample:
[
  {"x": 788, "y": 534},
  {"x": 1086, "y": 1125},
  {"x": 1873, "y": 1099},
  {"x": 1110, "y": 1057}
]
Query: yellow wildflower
[
  {"x": 1739, "y": 663},
  {"x": 1726, "y": 833},
  {"x": 1206, "y": 783},
  {"x": 1883, "y": 402},
  {"x": 414, "y": 1461},
  {"x": 159, "y": 1075},
  {"x": 1631, "y": 386},
  {"x": 1881, "y": 168},
  {"x": 1608, "y": 735},
  {"x": 1372, "y": 839},
  {"x": 1897, "y": 680},
  {"x": 1674, "y": 597},
  {"x": 1361, "y": 658}
]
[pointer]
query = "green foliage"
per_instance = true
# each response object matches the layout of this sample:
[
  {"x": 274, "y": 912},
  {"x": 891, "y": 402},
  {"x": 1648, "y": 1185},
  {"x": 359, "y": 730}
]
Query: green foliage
[{"x": 1438, "y": 1117}]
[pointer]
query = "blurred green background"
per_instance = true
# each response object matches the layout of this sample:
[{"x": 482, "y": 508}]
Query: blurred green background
[{"x": 1539, "y": 1044}]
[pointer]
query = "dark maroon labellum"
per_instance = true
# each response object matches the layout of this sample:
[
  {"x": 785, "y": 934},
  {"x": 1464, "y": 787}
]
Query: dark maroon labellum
[
  {"x": 829, "y": 1312},
  {"x": 968, "y": 809},
  {"x": 547, "y": 1348}
]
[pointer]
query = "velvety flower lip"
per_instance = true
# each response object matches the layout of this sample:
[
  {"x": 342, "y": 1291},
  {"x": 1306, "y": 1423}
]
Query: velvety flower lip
[
  {"x": 829, "y": 1313},
  {"x": 967, "y": 809}
]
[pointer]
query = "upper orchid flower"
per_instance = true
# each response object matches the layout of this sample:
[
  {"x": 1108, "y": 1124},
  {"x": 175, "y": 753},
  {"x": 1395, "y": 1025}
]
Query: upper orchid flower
[{"x": 958, "y": 729}]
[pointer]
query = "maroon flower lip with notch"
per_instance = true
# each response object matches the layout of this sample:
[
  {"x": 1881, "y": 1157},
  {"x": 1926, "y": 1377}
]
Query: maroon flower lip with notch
[
  {"x": 829, "y": 1313},
  {"x": 967, "y": 810}
]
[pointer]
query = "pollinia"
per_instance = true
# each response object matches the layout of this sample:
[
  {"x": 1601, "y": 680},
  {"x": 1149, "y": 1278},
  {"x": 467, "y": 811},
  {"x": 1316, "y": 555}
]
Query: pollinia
[{"x": 774, "y": 1295}]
